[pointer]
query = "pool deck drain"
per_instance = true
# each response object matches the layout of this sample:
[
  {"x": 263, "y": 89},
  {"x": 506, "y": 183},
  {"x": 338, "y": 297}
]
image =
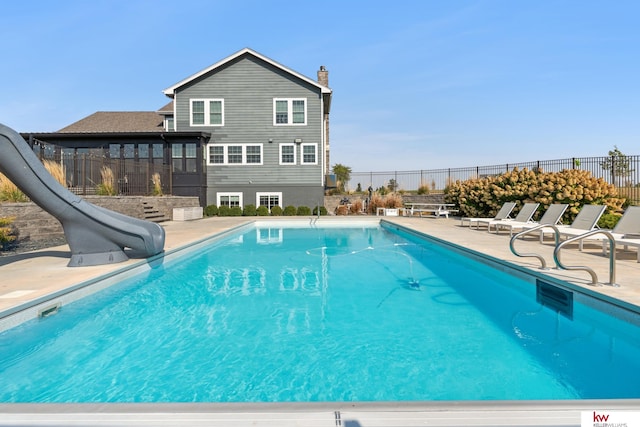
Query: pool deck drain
[{"x": 26, "y": 277}]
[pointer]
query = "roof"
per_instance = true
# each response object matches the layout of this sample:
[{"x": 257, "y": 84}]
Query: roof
[
  {"x": 167, "y": 109},
  {"x": 170, "y": 91},
  {"x": 117, "y": 121}
]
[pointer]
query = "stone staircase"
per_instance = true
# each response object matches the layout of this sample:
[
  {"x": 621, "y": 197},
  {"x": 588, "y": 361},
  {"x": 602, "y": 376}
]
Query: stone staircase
[{"x": 152, "y": 214}]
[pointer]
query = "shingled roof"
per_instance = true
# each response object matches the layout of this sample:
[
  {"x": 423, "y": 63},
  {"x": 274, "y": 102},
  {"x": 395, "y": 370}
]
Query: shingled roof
[{"x": 117, "y": 121}]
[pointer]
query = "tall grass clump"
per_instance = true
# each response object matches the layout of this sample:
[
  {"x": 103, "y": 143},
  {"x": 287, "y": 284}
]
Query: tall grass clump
[
  {"x": 157, "y": 184},
  {"x": 107, "y": 186},
  {"x": 9, "y": 192},
  {"x": 57, "y": 171}
]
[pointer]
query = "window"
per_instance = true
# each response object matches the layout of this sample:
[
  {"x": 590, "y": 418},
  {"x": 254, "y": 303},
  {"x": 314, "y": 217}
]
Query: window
[
  {"x": 207, "y": 112},
  {"x": 309, "y": 154},
  {"x": 176, "y": 157},
  {"x": 216, "y": 154},
  {"x": 229, "y": 199},
  {"x": 287, "y": 154},
  {"x": 269, "y": 199},
  {"x": 168, "y": 123},
  {"x": 234, "y": 154},
  {"x": 184, "y": 157},
  {"x": 289, "y": 111}
]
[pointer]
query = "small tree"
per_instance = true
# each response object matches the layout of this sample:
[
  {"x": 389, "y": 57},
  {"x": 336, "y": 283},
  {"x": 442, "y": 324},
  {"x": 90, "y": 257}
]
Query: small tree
[
  {"x": 619, "y": 166},
  {"x": 393, "y": 185},
  {"x": 343, "y": 175}
]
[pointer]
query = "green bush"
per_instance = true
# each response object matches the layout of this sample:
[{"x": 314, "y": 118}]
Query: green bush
[
  {"x": 276, "y": 211},
  {"x": 211, "y": 210},
  {"x": 8, "y": 233},
  {"x": 483, "y": 197},
  {"x": 262, "y": 211},
  {"x": 250, "y": 210},
  {"x": 303, "y": 211},
  {"x": 224, "y": 211},
  {"x": 423, "y": 189},
  {"x": 235, "y": 211},
  {"x": 323, "y": 210},
  {"x": 290, "y": 211},
  {"x": 608, "y": 221}
]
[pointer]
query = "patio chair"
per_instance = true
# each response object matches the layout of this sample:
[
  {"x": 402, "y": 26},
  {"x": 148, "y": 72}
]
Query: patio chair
[
  {"x": 586, "y": 220},
  {"x": 552, "y": 216},
  {"x": 524, "y": 216},
  {"x": 627, "y": 231},
  {"x": 503, "y": 213}
]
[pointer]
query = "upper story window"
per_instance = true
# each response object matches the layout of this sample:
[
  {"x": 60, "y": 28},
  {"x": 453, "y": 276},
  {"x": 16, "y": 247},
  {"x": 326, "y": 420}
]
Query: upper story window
[
  {"x": 287, "y": 154},
  {"x": 207, "y": 112},
  {"x": 168, "y": 123},
  {"x": 289, "y": 111},
  {"x": 234, "y": 154},
  {"x": 309, "y": 154}
]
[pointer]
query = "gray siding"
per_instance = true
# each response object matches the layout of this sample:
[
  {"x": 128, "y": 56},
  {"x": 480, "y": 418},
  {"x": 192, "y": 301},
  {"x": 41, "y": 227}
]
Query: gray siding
[{"x": 248, "y": 86}]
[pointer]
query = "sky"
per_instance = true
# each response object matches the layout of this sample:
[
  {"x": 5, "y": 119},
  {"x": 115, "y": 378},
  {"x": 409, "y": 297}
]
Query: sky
[{"x": 417, "y": 85}]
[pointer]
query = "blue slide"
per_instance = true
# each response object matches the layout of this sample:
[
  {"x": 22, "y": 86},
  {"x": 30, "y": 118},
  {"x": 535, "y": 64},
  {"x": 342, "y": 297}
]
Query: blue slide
[{"x": 95, "y": 235}]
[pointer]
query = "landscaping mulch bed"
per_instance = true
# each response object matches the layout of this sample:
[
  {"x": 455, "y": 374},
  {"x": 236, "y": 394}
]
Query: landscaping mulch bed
[{"x": 28, "y": 245}]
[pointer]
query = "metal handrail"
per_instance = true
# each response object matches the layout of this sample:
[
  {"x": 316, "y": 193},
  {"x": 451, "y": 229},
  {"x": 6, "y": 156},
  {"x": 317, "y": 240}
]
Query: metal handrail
[
  {"x": 594, "y": 277},
  {"x": 527, "y": 231}
]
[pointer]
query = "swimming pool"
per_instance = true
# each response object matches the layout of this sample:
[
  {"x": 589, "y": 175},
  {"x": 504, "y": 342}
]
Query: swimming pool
[{"x": 352, "y": 315}]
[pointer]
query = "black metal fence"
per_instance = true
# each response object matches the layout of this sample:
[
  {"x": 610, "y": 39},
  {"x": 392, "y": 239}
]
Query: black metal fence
[
  {"x": 621, "y": 171},
  {"x": 88, "y": 174}
]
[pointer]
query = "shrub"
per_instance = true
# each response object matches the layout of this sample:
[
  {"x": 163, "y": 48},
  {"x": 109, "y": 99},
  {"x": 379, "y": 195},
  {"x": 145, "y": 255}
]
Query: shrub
[
  {"x": 276, "y": 211},
  {"x": 393, "y": 201},
  {"x": 8, "y": 233},
  {"x": 423, "y": 189},
  {"x": 224, "y": 211},
  {"x": 303, "y": 211},
  {"x": 323, "y": 210},
  {"x": 608, "y": 220},
  {"x": 250, "y": 210},
  {"x": 211, "y": 210},
  {"x": 107, "y": 186},
  {"x": 290, "y": 211},
  {"x": 262, "y": 211},
  {"x": 235, "y": 211},
  {"x": 483, "y": 197}
]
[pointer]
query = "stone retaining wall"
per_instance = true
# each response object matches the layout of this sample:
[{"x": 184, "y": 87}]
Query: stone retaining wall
[{"x": 34, "y": 223}]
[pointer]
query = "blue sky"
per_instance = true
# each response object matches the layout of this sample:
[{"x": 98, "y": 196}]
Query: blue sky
[{"x": 419, "y": 84}]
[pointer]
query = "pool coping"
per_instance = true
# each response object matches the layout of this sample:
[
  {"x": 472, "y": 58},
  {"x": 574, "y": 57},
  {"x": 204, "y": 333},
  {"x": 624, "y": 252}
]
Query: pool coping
[{"x": 437, "y": 413}]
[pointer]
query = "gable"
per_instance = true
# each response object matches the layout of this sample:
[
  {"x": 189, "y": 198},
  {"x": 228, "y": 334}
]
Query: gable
[{"x": 170, "y": 92}]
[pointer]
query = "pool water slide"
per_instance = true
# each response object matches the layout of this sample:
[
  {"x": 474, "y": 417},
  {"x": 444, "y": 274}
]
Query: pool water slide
[{"x": 95, "y": 235}]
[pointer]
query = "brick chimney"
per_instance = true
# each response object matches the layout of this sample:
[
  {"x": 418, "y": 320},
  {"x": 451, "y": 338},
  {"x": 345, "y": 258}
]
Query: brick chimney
[
  {"x": 323, "y": 76},
  {"x": 323, "y": 79}
]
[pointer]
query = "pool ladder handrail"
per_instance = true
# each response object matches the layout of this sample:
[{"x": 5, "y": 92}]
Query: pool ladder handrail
[
  {"x": 594, "y": 277},
  {"x": 558, "y": 246},
  {"x": 527, "y": 231}
]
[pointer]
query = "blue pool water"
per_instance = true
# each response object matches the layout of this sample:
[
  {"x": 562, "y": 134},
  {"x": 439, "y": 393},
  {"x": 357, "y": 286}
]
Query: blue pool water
[{"x": 322, "y": 314}]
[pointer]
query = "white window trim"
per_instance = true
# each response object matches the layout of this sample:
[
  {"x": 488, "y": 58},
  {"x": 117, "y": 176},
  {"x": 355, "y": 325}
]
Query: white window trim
[
  {"x": 269, "y": 193},
  {"x": 295, "y": 159},
  {"x": 207, "y": 111},
  {"x": 219, "y": 195},
  {"x": 289, "y": 111},
  {"x": 244, "y": 155},
  {"x": 315, "y": 147}
]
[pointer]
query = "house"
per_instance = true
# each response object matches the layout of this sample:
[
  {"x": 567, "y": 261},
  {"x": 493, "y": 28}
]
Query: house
[{"x": 246, "y": 130}]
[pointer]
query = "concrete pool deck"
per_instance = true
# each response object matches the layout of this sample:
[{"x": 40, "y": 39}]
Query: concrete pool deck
[{"x": 30, "y": 276}]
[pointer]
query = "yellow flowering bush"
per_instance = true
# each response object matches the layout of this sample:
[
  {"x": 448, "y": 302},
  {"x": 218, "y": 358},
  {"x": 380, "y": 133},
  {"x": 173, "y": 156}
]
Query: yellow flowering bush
[{"x": 483, "y": 197}]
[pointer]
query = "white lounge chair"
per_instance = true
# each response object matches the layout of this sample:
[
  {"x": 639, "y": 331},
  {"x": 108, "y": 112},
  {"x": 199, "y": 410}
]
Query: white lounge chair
[
  {"x": 523, "y": 217},
  {"x": 586, "y": 220},
  {"x": 503, "y": 213},
  {"x": 627, "y": 231},
  {"x": 552, "y": 216}
]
